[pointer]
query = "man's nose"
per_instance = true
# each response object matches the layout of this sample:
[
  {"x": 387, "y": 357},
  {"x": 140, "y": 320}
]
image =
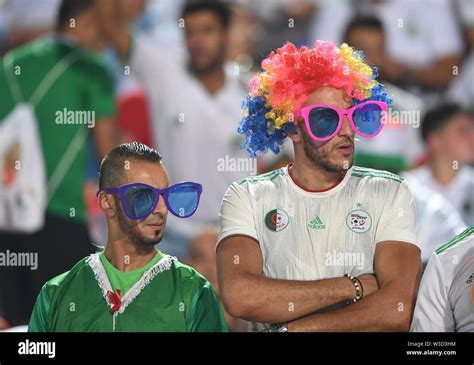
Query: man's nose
[
  {"x": 161, "y": 207},
  {"x": 346, "y": 129}
]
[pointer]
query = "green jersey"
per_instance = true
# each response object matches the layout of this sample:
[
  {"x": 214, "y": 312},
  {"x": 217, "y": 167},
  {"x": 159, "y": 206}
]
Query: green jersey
[{"x": 168, "y": 296}]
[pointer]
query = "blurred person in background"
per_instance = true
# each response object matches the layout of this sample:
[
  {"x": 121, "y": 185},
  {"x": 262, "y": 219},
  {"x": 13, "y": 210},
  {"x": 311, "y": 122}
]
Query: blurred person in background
[
  {"x": 194, "y": 108},
  {"x": 423, "y": 41},
  {"x": 77, "y": 82},
  {"x": 448, "y": 132},
  {"x": 461, "y": 89}
]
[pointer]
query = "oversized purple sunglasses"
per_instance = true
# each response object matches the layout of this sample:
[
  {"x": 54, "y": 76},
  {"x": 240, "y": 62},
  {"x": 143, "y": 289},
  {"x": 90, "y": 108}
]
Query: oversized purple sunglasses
[{"x": 140, "y": 200}]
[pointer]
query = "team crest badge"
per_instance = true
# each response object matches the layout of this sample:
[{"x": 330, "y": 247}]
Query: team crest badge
[
  {"x": 277, "y": 220},
  {"x": 359, "y": 221}
]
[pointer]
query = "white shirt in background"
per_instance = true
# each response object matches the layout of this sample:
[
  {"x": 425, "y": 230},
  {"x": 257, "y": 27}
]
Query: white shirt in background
[
  {"x": 438, "y": 219},
  {"x": 416, "y": 32},
  {"x": 460, "y": 192},
  {"x": 461, "y": 89}
]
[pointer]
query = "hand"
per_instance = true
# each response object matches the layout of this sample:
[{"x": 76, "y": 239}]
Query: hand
[{"x": 369, "y": 283}]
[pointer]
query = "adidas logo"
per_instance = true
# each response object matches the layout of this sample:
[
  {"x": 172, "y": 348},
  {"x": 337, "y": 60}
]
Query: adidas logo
[{"x": 316, "y": 223}]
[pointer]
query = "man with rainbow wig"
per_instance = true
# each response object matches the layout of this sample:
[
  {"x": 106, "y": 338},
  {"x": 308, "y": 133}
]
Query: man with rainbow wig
[{"x": 318, "y": 245}]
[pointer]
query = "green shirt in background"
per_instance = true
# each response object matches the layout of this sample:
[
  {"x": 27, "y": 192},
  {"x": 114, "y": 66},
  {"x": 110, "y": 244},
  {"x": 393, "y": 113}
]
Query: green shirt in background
[{"x": 86, "y": 86}]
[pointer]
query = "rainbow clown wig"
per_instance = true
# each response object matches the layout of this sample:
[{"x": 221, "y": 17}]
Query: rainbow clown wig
[{"x": 289, "y": 75}]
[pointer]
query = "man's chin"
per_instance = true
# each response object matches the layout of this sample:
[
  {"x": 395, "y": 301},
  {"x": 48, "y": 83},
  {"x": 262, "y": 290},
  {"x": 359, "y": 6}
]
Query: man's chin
[
  {"x": 152, "y": 240},
  {"x": 337, "y": 165},
  {"x": 147, "y": 241}
]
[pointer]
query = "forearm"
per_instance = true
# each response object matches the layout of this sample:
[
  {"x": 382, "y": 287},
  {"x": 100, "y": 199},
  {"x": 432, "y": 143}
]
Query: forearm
[
  {"x": 260, "y": 299},
  {"x": 438, "y": 75},
  {"x": 384, "y": 310}
]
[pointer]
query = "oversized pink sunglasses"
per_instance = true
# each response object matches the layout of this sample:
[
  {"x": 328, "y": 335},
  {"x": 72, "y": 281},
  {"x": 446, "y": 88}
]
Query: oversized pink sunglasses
[{"x": 324, "y": 121}]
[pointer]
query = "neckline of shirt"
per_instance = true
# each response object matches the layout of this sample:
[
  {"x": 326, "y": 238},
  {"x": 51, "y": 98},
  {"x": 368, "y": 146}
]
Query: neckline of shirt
[
  {"x": 133, "y": 272},
  {"x": 333, "y": 189}
]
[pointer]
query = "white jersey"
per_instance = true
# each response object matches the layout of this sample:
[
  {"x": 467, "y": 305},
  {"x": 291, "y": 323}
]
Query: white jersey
[
  {"x": 445, "y": 301},
  {"x": 460, "y": 192},
  {"x": 307, "y": 235}
]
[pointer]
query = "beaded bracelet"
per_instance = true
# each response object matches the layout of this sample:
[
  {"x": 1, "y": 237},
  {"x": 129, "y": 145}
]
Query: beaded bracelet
[{"x": 358, "y": 287}]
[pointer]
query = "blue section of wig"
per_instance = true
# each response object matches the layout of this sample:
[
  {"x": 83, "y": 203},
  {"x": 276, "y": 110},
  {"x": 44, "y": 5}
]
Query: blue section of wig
[{"x": 260, "y": 133}]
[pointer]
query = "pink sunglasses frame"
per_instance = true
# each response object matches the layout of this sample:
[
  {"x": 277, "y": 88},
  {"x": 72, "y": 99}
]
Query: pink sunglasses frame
[{"x": 304, "y": 112}]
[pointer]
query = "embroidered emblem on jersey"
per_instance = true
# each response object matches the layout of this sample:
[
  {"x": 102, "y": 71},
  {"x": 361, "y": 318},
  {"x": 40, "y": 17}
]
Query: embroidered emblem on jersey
[
  {"x": 316, "y": 223},
  {"x": 359, "y": 221},
  {"x": 277, "y": 220}
]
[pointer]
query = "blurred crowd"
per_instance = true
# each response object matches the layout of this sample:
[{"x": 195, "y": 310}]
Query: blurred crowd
[{"x": 173, "y": 73}]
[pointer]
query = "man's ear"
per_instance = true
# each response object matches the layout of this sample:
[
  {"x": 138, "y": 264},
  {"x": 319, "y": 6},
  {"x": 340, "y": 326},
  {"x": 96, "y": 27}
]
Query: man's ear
[
  {"x": 297, "y": 136},
  {"x": 107, "y": 204}
]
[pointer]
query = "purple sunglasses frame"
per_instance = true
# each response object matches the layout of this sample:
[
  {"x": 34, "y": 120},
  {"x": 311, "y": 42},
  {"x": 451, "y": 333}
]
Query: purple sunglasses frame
[
  {"x": 304, "y": 112},
  {"x": 164, "y": 192}
]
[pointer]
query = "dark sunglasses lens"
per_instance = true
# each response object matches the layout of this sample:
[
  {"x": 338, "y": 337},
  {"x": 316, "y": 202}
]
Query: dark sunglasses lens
[
  {"x": 323, "y": 121},
  {"x": 183, "y": 200},
  {"x": 368, "y": 119},
  {"x": 139, "y": 201}
]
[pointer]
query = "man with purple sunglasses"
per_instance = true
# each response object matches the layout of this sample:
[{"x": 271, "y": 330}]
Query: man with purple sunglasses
[
  {"x": 131, "y": 286},
  {"x": 318, "y": 245}
]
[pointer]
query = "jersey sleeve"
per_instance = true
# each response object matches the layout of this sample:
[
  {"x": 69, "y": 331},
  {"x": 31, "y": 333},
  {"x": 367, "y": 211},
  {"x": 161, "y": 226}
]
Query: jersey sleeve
[
  {"x": 433, "y": 311},
  {"x": 398, "y": 221},
  {"x": 205, "y": 314},
  {"x": 39, "y": 316},
  {"x": 236, "y": 215}
]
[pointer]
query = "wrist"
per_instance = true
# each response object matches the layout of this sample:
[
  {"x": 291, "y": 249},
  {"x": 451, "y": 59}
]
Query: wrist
[
  {"x": 357, "y": 286},
  {"x": 349, "y": 289}
]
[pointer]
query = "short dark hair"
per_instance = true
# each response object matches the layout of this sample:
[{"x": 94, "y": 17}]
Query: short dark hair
[
  {"x": 69, "y": 9},
  {"x": 112, "y": 166},
  {"x": 363, "y": 21},
  {"x": 221, "y": 10},
  {"x": 436, "y": 118}
]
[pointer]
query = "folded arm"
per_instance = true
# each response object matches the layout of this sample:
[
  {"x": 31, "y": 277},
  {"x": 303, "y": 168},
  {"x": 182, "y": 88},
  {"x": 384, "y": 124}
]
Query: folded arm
[
  {"x": 398, "y": 270},
  {"x": 249, "y": 295}
]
